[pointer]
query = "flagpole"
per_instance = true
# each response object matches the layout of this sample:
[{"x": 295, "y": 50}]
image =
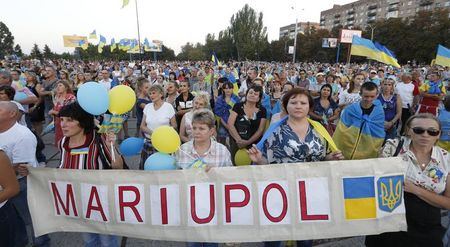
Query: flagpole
[{"x": 139, "y": 34}]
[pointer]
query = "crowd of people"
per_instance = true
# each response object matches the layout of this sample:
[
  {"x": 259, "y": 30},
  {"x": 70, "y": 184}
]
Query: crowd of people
[{"x": 277, "y": 113}]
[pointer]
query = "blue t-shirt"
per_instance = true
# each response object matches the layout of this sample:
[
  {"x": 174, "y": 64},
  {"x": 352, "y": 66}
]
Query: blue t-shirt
[{"x": 139, "y": 110}]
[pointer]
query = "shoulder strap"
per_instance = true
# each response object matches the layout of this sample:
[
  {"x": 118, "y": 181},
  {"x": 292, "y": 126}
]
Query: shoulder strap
[{"x": 399, "y": 147}]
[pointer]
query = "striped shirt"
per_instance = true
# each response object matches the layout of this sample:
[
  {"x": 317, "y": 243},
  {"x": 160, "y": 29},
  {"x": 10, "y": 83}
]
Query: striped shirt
[
  {"x": 87, "y": 156},
  {"x": 216, "y": 156}
]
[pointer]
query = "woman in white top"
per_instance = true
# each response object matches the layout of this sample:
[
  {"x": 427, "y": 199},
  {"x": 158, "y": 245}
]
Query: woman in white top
[
  {"x": 426, "y": 185},
  {"x": 10, "y": 222},
  {"x": 200, "y": 101},
  {"x": 352, "y": 95},
  {"x": 156, "y": 114}
]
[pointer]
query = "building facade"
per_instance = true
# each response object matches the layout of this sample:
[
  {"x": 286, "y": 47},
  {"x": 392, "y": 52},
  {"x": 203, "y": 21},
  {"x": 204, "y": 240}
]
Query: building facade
[
  {"x": 364, "y": 12},
  {"x": 289, "y": 31}
]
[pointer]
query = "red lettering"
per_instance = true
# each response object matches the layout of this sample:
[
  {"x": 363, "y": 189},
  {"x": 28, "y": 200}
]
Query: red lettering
[
  {"x": 99, "y": 207},
  {"x": 229, "y": 204},
  {"x": 131, "y": 205},
  {"x": 264, "y": 202},
  {"x": 164, "y": 217},
  {"x": 70, "y": 200},
  {"x": 303, "y": 205},
  {"x": 212, "y": 205}
]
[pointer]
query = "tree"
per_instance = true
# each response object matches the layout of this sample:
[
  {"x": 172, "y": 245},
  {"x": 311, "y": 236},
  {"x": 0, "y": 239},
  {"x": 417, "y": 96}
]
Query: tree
[
  {"x": 47, "y": 52},
  {"x": 6, "y": 40},
  {"x": 18, "y": 50},
  {"x": 248, "y": 33},
  {"x": 35, "y": 52}
]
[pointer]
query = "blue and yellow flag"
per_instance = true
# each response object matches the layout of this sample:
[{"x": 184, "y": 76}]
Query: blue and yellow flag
[
  {"x": 83, "y": 44},
  {"x": 125, "y": 3},
  {"x": 376, "y": 51},
  {"x": 360, "y": 136},
  {"x": 101, "y": 43},
  {"x": 387, "y": 56},
  {"x": 146, "y": 45},
  {"x": 215, "y": 60},
  {"x": 113, "y": 44},
  {"x": 443, "y": 56},
  {"x": 93, "y": 35},
  {"x": 359, "y": 198}
]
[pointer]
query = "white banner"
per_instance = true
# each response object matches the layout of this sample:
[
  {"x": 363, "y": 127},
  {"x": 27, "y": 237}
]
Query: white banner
[{"x": 238, "y": 204}]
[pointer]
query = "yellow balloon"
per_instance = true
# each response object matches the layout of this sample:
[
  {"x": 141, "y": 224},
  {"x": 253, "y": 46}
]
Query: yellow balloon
[
  {"x": 121, "y": 99},
  {"x": 165, "y": 139},
  {"x": 241, "y": 158}
]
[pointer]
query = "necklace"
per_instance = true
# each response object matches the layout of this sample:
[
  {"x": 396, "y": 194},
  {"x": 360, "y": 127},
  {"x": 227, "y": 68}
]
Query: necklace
[{"x": 423, "y": 165}]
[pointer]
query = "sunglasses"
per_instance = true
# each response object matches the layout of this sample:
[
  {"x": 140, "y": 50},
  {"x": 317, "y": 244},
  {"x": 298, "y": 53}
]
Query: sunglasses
[{"x": 431, "y": 132}]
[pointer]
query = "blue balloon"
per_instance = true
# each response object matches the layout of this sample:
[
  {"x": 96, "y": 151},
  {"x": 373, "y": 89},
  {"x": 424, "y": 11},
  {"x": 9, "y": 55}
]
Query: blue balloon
[
  {"x": 93, "y": 98},
  {"x": 131, "y": 146},
  {"x": 20, "y": 96},
  {"x": 159, "y": 161}
]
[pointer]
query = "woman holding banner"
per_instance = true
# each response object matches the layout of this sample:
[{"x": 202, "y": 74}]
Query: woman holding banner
[
  {"x": 426, "y": 186},
  {"x": 82, "y": 148},
  {"x": 294, "y": 139}
]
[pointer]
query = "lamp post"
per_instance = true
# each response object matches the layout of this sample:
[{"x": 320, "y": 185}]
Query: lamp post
[
  {"x": 295, "y": 34},
  {"x": 372, "y": 28}
]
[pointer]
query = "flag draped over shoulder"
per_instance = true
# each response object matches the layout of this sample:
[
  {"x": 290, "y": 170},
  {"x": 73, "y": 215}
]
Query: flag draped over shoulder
[
  {"x": 376, "y": 51},
  {"x": 443, "y": 56},
  {"x": 360, "y": 136},
  {"x": 93, "y": 35}
]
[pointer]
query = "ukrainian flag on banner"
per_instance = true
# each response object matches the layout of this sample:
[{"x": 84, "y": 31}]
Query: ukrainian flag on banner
[
  {"x": 359, "y": 198},
  {"x": 83, "y": 44},
  {"x": 93, "y": 35},
  {"x": 360, "y": 136},
  {"x": 215, "y": 60},
  {"x": 387, "y": 56},
  {"x": 443, "y": 56},
  {"x": 146, "y": 45}
]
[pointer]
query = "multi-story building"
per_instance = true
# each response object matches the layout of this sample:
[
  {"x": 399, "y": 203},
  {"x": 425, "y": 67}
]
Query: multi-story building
[
  {"x": 363, "y": 12},
  {"x": 301, "y": 27}
]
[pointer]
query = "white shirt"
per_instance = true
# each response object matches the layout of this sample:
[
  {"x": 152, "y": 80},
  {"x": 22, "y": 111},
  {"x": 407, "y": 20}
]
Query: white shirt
[
  {"x": 106, "y": 83},
  {"x": 405, "y": 90},
  {"x": 1, "y": 188},
  {"x": 155, "y": 118},
  {"x": 19, "y": 144}
]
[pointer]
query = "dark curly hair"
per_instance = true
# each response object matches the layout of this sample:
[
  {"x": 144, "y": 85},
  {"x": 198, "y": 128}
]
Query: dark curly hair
[{"x": 75, "y": 112}]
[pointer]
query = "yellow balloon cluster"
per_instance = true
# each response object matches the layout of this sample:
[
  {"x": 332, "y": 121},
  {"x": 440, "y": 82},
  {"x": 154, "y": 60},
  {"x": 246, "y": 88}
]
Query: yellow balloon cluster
[
  {"x": 121, "y": 99},
  {"x": 166, "y": 139},
  {"x": 241, "y": 158}
]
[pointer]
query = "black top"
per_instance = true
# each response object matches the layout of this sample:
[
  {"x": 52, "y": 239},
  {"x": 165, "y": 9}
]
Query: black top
[
  {"x": 368, "y": 110},
  {"x": 247, "y": 127},
  {"x": 185, "y": 104}
]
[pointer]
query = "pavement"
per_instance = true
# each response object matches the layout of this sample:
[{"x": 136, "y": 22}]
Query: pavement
[{"x": 73, "y": 239}]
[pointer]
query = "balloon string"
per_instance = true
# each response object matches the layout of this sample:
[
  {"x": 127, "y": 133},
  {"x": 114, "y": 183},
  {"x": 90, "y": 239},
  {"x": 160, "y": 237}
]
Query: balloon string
[{"x": 113, "y": 155}]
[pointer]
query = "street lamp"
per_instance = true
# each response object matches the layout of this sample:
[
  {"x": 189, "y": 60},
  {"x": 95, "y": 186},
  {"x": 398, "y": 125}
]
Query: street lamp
[
  {"x": 372, "y": 28},
  {"x": 295, "y": 35}
]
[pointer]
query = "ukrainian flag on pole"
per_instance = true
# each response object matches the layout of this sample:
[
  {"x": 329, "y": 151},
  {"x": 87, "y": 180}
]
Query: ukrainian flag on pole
[
  {"x": 101, "y": 44},
  {"x": 387, "y": 56},
  {"x": 93, "y": 35},
  {"x": 83, "y": 44},
  {"x": 443, "y": 56},
  {"x": 215, "y": 60},
  {"x": 366, "y": 48},
  {"x": 113, "y": 44}
]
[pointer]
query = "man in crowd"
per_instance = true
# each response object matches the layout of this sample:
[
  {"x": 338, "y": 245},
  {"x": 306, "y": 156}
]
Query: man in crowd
[
  {"x": 48, "y": 85},
  {"x": 251, "y": 75},
  {"x": 360, "y": 131},
  {"x": 19, "y": 144},
  {"x": 106, "y": 80},
  {"x": 409, "y": 93}
]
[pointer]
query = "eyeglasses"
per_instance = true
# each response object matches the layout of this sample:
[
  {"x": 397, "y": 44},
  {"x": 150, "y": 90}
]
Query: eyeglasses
[{"x": 431, "y": 132}]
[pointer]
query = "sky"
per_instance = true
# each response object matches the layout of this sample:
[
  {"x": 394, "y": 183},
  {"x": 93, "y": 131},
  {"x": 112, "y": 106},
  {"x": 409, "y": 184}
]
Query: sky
[{"x": 174, "y": 22}]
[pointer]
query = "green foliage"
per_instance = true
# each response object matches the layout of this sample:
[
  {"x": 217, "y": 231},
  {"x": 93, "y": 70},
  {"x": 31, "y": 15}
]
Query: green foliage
[
  {"x": 18, "y": 50},
  {"x": 47, "y": 53},
  {"x": 6, "y": 41},
  {"x": 36, "y": 53}
]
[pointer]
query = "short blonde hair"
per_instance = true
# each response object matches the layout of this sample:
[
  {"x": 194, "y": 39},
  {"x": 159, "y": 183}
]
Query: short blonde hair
[
  {"x": 203, "y": 96},
  {"x": 204, "y": 116}
]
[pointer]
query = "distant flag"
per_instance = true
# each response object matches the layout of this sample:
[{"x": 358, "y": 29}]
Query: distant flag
[
  {"x": 83, "y": 44},
  {"x": 146, "y": 45},
  {"x": 215, "y": 60},
  {"x": 387, "y": 56},
  {"x": 125, "y": 3},
  {"x": 101, "y": 44},
  {"x": 443, "y": 56},
  {"x": 378, "y": 52},
  {"x": 93, "y": 35},
  {"x": 113, "y": 45}
]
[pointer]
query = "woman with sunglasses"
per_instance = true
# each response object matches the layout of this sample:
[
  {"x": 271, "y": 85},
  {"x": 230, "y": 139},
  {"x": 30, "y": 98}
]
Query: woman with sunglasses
[{"x": 426, "y": 185}]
